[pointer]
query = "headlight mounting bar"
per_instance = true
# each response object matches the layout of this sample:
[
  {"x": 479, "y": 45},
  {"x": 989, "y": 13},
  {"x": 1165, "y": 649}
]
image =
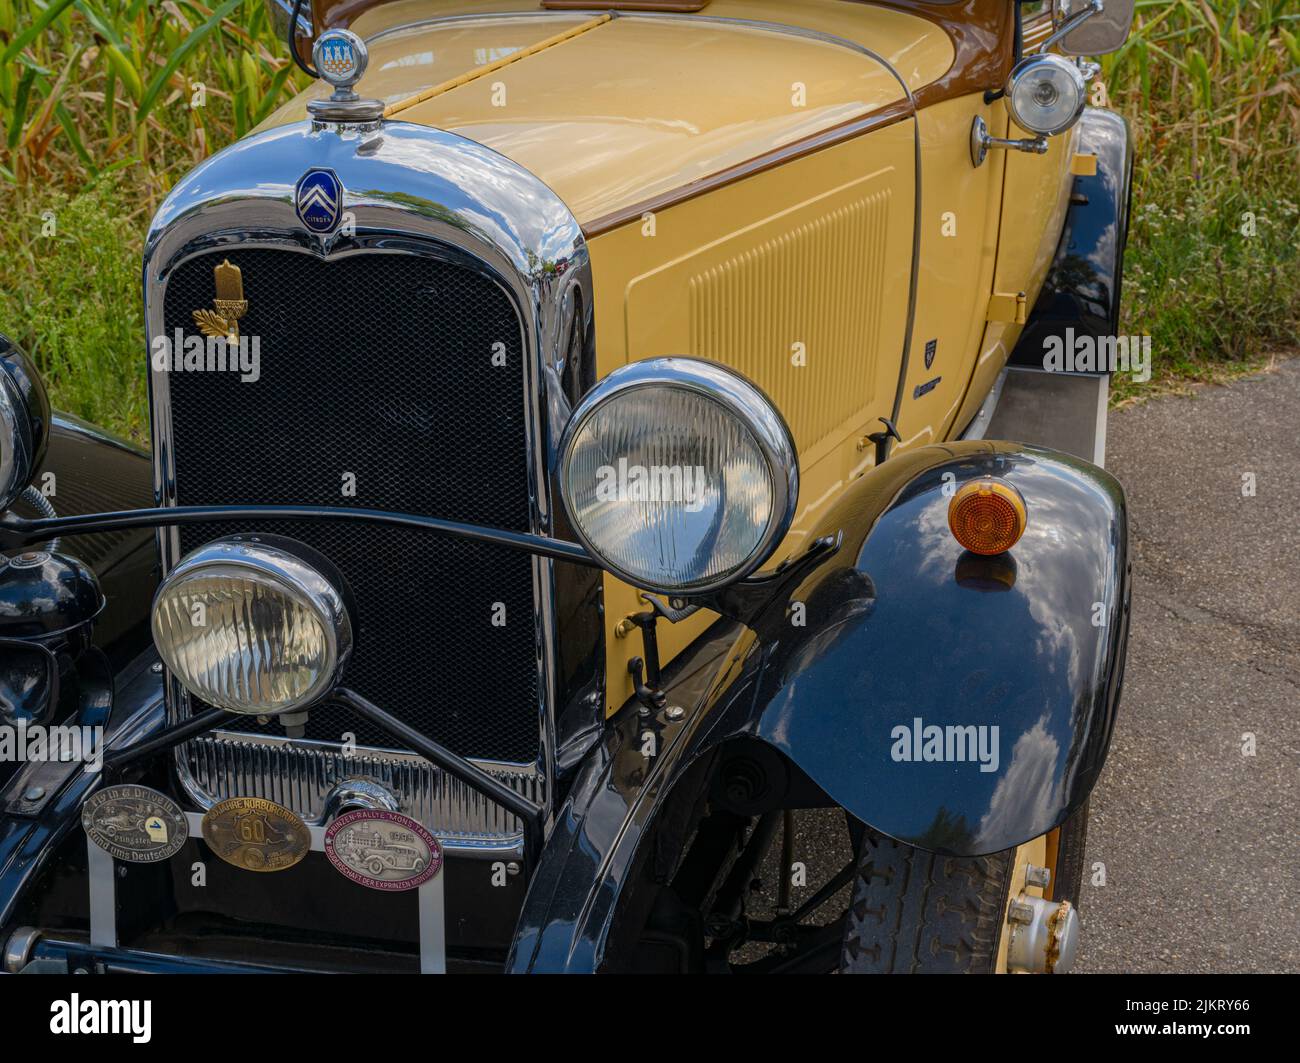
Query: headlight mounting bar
[{"x": 747, "y": 601}]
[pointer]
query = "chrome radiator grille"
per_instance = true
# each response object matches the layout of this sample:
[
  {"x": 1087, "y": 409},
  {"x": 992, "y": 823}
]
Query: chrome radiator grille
[
  {"x": 302, "y": 774},
  {"x": 377, "y": 369}
]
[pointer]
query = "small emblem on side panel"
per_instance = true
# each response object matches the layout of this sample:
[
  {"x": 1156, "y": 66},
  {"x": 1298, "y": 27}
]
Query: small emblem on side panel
[
  {"x": 931, "y": 346},
  {"x": 135, "y": 824},
  {"x": 256, "y": 834},
  {"x": 382, "y": 850}
]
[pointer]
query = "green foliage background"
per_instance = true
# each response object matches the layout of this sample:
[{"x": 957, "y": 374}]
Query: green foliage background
[{"x": 98, "y": 123}]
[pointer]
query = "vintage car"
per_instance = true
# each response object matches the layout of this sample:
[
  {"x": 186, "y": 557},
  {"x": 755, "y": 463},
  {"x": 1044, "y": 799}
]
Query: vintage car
[{"x": 617, "y": 438}]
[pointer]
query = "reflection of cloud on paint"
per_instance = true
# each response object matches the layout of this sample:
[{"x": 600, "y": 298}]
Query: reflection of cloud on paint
[
  {"x": 1107, "y": 245},
  {"x": 933, "y": 540},
  {"x": 1065, "y": 521},
  {"x": 1028, "y": 795}
]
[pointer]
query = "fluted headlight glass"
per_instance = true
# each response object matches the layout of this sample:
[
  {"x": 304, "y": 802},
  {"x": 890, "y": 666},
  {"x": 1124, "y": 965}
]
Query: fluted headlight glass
[
  {"x": 252, "y": 627},
  {"x": 1046, "y": 94},
  {"x": 678, "y": 475}
]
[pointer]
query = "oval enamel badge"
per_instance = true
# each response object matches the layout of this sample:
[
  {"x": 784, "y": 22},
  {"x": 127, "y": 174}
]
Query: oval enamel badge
[
  {"x": 382, "y": 850},
  {"x": 135, "y": 823},
  {"x": 256, "y": 834}
]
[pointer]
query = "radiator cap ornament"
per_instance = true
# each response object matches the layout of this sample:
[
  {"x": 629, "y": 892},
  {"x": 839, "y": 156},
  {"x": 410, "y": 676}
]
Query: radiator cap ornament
[
  {"x": 135, "y": 824},
  {"x": 340, "y": 57},
  {"x": 255, "y": 834},
  {"x": 382, "y": 850}
]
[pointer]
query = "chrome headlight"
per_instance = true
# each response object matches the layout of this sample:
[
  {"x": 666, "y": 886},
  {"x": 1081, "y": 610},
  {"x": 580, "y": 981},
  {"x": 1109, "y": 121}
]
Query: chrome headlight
[
  {"x": 1046, "y": 94},
  {"x": 251, "y": 625},
  {"x": 678, "y": 475},
  {"x": 24, "y": 422}
]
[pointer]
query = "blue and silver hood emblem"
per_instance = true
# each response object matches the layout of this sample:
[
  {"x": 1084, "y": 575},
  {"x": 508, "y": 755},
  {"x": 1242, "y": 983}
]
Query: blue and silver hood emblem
[{"x": 319, "y": 199}]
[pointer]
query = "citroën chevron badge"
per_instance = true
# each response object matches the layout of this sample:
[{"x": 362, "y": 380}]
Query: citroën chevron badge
[{"x": 319, "y": 200}]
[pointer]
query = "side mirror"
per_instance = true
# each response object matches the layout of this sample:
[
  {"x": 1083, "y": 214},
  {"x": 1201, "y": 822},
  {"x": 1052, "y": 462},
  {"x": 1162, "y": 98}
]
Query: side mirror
[
  {"x": 1100, "y": 27},
  {"x": 24, "y": 422}
]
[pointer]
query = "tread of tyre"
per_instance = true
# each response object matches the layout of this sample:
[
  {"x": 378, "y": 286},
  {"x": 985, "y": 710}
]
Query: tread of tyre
[{"x": 913, "y": 912}]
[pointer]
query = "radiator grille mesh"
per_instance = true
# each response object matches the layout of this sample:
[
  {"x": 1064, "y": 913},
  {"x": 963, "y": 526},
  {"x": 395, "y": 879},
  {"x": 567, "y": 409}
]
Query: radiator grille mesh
[{"x": 379, "y": 367}]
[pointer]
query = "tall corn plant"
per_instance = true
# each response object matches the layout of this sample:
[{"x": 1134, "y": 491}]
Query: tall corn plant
[
  {"x": 90, "y": 86},
  {"x": 1212, "y": 91},
  {"x": 104, "y": 104}
]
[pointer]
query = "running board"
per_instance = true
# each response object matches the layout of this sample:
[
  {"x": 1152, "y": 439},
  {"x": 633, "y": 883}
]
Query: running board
[{"x": 1064, "y": 411}]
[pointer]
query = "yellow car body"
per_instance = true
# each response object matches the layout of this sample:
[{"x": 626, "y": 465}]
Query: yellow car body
[{"x": 752, "y": 177}]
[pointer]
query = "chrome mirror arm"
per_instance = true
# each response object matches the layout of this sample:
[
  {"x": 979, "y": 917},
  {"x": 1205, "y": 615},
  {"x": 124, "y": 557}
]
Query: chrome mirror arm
[
  {"x": 981, "y": 141},
  {"x": 1095, "y": 7}
]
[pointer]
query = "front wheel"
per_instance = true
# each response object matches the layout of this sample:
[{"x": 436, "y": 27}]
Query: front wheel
[{"x": 913, "y": 912}]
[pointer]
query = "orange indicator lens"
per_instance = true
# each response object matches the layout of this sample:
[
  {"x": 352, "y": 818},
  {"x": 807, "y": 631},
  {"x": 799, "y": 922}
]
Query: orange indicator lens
[{"x": 987, "y": 516}]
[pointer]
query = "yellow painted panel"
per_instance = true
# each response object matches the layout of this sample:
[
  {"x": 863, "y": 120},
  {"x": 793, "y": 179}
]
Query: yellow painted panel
[
  {"x": 413, "y": 60},
  {"x": 1035, "y": 197},
  {"x": 959, "y": 232},
  {"x": 639, "y": 107},
  {"x": 1036, "y": 194},
  {"x": 916, "y": 47},
  {"x": 816, "y": 251},
  {"x": 795, "y": 306}
]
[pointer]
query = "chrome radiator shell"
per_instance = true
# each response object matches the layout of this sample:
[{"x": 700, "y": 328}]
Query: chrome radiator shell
[{"x": 406, "y": 189}]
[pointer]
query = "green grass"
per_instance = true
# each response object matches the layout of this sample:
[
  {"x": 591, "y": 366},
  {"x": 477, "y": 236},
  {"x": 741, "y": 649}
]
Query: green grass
[
  {"x": 71, "y": 297},
  {"x": 105, "y": 104},
  {"x": 95, "y": 101},
  {"x": 1212, "y": 272}
]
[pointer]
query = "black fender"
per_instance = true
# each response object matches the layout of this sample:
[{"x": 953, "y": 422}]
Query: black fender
[
  {"x": 1082, "y": 288},
  {"x": 96, "y": 472},
  {"x": 904, "y": 625},
  {"x": 898, "y": 623},
  {"x": 86, "y": 470}
]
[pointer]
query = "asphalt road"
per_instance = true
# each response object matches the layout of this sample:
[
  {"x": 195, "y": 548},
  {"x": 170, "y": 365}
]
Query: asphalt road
[{"x": 1198, "y": 842}]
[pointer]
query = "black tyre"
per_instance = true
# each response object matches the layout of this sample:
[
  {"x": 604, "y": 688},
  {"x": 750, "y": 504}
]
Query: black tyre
[
  {"x": 913, "y": 912},
  {"x": 1069, "y": 858}
]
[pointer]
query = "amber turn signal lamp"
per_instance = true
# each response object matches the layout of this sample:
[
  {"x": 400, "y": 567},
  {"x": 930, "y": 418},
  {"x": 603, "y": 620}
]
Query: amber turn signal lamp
[{"x": 987, "y": 516}]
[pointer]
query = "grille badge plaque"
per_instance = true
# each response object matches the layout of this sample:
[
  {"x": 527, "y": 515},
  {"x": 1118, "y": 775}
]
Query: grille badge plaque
[
  {"x": 255, "y": 834},
  {"x": 318, "y": 200},
  {"x": 135, "y": 824},
  {"x": 230, "y": 304},
  {"x": 382, "y": 850}
]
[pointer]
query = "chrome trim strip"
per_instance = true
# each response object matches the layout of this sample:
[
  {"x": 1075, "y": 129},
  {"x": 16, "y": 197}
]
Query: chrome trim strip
[
  {"x": 1103, "y": 405},
  {"x": 979, "y": 424},
  {"x": 303, "y": 774},
  {"x": 487, "y": 16},
  {"x": 406, "y": 190}
]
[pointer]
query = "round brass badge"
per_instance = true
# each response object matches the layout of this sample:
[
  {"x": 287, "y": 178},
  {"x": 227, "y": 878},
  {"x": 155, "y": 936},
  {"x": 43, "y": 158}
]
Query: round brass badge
[
  {"x": 255, "y": 834},
  {"x": 135, "y": 823},
  {"x": 382, "y": 850}
]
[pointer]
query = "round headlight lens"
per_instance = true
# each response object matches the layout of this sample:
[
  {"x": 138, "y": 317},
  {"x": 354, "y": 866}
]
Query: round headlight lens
[
  {"x": 1046, "y": 94},
  {"x": 678, "y": 475},
  {"x": 252, "y": 627}
]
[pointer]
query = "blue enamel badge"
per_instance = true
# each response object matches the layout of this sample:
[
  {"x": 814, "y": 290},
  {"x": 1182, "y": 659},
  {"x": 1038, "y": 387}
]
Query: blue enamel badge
[{"x": 319, "y": 200}]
